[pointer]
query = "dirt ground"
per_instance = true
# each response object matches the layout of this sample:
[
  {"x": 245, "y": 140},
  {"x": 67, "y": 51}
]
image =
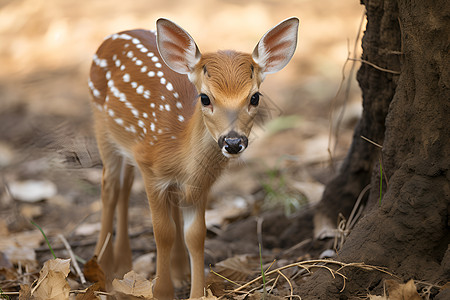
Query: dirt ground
[{"x": 46, "y": 131}]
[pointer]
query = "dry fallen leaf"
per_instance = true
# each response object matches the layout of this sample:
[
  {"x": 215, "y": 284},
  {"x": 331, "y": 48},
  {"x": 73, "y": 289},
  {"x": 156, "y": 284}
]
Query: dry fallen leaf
[
  {"x": 25, "y": 292},
  {"x": 400, "y": 291},
  {"x": 32, "y": 190},
  {"x": 52, "y": 283},
  {"x": 374, "y": 297},
  {"x": 94, "y": 273},
  {"x": 90, "y": 293},
  {"x": 209, "y": 296},
  {"x": 19, "y": 247},
  {"x": 237, "y": 268},
  {"x": 133, "y": 284}
]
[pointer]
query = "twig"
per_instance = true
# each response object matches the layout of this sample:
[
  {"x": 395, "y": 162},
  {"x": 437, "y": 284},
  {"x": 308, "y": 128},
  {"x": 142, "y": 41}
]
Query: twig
[
  {"x": 315, "y": 264},
  {"x": 375, "y": 66},
  {"x": 274, "y": 284},
  {"x": 105, "y": 243},
  {"x": 74, "y": 260},
  {"x": 223, "y": 277},
  {"x": 346, "y": 95},
  {"x": 352, "y": 220},
  {"x": 296, "y": 246},
  {"x": 372, "y": 142}
]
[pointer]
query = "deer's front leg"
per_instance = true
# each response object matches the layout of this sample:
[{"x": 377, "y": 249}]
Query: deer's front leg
[{"x": 194, "y": 233}]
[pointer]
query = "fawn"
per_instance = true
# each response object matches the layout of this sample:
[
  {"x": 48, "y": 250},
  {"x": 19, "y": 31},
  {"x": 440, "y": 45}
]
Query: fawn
[{"x": 178, "y": 116}]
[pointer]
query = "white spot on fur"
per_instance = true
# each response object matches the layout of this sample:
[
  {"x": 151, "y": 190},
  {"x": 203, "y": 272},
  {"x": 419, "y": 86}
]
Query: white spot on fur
[
  {"x": 152, "y": 126},
  {"x": 151, "y": 74},
  {"x": 144, "y": 69},
  {"x": 125, "y": 36},
  {"x": 158, "y": 65},
  {"x": 134, "y": 84},
  {"x": 179, "y": 105},
  {"x": 126, "y": 77},
  {"x": 180, "y": 118},
  {"x": 169, "y": 86},
  {"x": 160, "y": 74},
  {"x": 176, "y": 95},
  {"x": 167, "y": 107},
  {"x": 119, "y": 121},
  {"x": 140, "y": 89},
  {"x": 163, "y": 80},
  {"x": 130, "y": 54}
]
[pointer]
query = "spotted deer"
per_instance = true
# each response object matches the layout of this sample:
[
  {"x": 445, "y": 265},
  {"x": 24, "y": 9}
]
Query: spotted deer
[{"x": 178, "y": 116}]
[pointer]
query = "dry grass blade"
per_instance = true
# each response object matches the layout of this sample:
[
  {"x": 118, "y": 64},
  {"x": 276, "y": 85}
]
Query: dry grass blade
[
  {"x": 307, "y": 265},
  {"x": 72, "y": 256},
  {"x": 289, "y": 282}
]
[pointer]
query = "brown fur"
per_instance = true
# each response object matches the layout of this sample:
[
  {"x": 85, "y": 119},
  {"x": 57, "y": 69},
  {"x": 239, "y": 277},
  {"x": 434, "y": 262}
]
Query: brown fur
[{"x": 148, "y": 116}]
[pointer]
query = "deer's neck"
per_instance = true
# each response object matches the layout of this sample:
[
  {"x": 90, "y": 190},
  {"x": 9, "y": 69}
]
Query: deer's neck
[{"x": 204, "y": 160}]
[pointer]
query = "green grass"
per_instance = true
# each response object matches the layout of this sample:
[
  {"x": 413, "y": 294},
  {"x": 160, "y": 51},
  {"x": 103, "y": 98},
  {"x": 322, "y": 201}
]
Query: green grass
[
  {"x": 278, "y": 193},
  {"x": 3, "y": 296},
  {"x": 263, "y": 275},
  {"x": 45, "y": 237}
]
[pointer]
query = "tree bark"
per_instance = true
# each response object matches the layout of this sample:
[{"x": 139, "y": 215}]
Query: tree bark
[
  {"x": 381, "y": 46},
  {"x": 407, "y": 230}
]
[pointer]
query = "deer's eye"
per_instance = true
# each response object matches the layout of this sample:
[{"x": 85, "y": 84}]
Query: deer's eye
[
  {"x": 255, "y": 99},
  {"x": 205, "y": 99}
]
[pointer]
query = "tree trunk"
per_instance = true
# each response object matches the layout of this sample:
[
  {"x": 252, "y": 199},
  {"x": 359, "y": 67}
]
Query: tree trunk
[
  {"x": 381, "y": 46},
  {"x": 407, "y": 230}
]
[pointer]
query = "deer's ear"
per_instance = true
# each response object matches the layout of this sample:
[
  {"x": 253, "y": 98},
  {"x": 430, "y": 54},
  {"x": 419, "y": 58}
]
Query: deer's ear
[
  {"x": 177, "y": 47},
  {"x": 277, "y": 46}
]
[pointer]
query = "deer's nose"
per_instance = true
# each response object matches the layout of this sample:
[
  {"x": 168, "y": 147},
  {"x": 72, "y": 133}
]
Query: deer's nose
[{"x": 232, "y": 143}]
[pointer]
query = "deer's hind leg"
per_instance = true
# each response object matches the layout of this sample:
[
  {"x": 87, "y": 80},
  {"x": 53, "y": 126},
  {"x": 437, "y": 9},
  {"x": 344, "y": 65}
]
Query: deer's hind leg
[{"x": 117, "y": 180}]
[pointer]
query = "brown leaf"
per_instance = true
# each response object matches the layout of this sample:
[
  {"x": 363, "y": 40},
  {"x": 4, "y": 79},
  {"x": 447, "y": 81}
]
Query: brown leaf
[
  {"x": 374, "y": 297},
  {"x": 134, "y": 285},
  {"x": 25, "y": 292},
  {"x": 237, "y": 268},
  {"x": 52, "y": 283},
  {"x": 90, "y": 293},
  {"x": 400, "y": 291},
  {"x": 94, "y": 273},
  {"x": 209, "y": 296}
]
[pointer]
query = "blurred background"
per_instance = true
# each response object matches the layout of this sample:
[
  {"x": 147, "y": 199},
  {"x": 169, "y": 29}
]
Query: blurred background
[{"x": 46, "y": 135}]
